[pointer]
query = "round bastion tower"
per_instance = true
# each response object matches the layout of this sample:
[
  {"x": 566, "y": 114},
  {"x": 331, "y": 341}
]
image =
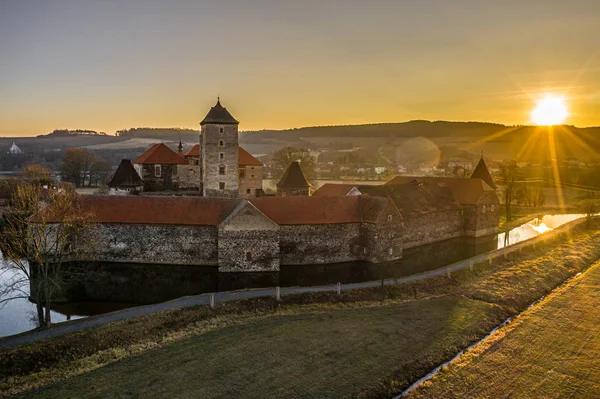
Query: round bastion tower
[{"x": 219, "y": 145}]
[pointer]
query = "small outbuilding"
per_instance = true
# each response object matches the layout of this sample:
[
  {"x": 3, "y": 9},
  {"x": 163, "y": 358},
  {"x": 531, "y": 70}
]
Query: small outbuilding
[
  {"x": 126, "y": 180},
  {"x": 293, "y": 182}
]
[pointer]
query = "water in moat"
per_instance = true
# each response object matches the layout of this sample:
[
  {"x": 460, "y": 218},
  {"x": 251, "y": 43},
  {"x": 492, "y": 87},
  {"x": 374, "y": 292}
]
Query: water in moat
[{"x": 117, "y": 286}]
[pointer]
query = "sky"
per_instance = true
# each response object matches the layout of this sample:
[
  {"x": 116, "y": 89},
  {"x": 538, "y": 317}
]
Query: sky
[{"x": 116, "y": 64}]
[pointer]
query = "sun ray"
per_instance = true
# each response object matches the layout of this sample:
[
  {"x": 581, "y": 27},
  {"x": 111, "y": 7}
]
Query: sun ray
[
  {"x": 493, "y": 136},
  {"x": 579, "y": 141},
  {"x": 529, "y": 143},
  {"x": 555, "y": 173}
]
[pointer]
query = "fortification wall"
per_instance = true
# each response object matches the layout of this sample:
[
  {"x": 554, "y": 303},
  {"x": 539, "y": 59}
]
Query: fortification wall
[
  {"x": 483, "y": 219},
  {"x": 319, "y": 243},
  {"x": 154, "y": 244},
  {"x": 432, "y": 227}
]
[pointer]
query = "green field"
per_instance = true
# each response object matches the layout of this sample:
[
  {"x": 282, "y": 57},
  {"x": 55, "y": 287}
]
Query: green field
[
  {"x": 552, "y": 351},
  {"x": 366, "y": 343},
  {"x": 324, "y": 355}
]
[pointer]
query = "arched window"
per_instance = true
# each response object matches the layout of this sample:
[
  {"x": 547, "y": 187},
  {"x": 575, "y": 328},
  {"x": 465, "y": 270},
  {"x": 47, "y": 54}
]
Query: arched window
[{"x": 483, "y": 209}]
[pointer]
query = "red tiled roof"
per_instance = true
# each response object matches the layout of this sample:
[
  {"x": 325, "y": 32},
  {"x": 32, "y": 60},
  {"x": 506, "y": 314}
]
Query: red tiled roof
[
  {"x": 246, "y": 159},
  {"x": 160, "y": 154},
  {"x": 193, "y": 152},
  {"x": 466, "y": 191},
  {"x": 310, "y": 210},
  {"x": 158, "y": 209},
  {"x": 333, "y": 190}
]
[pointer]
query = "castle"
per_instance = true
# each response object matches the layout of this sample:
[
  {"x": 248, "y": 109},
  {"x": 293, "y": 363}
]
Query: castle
[
  {"x": 231, "y": 226},
  {"x": 217, "y": 167}
]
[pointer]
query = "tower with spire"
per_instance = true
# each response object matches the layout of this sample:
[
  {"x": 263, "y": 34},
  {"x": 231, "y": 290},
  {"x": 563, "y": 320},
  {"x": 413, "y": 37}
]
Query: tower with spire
[
  {"x": 219, "y": 157},
  {"x": 482, "y": 172}
]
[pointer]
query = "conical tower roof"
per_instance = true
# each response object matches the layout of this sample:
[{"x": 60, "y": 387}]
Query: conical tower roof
[
  {"x": 219, "y": 115},
  {"x": 126, "y": 176},
  {"x": 481, "y": 172},
  {"x": 293, "y": 177}
]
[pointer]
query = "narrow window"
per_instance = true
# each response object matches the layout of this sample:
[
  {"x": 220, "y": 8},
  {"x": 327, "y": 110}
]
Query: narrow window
[
  {"x": 242, "y": 173},
  {"x": 391, "y": 251},
  {"x": 220, "y": 130},
  {"x": 483, "y": 209},
  {"x": 157, "y": 170},
  {"x": 221, "y": 156},
  {"x": 252, "y": 176},
  {"x": 389, "y": 218},
  {"x": 221, "y": 143},
  {"x": 248, "y": 191},
  {"x": 365, "y": 250},
  {"x": 221, "y": 185},
  {"x": 222, "y": 170},
  {"x": 248, "y": 256}
]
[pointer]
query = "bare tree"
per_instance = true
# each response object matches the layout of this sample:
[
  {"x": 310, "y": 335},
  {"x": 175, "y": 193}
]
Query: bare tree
[
  {"x": 590, "y": 207},
  {"x": 508, "y": 176},
  {"x": 42, "y": 229},
  {"x": 75, "y": 165},
  {"x": 285, "y": 156},
  {"x": 100, "y": 171}
]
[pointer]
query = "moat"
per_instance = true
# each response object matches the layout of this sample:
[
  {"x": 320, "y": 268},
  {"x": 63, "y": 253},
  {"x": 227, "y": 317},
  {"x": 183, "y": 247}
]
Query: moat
[{"x": 120, "y": 285}]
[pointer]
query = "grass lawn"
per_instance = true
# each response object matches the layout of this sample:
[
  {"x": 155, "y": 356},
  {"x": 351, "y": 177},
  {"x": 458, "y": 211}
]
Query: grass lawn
[
  {"x": 323, "y": 355},
  {"x": 370, "y": 343},
  {"x": 552, "y": 351}
]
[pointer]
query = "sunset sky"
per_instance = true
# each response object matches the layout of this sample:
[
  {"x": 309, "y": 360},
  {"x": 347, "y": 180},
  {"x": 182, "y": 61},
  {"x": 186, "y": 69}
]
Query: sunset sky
[{"x": 109, "y": 65}]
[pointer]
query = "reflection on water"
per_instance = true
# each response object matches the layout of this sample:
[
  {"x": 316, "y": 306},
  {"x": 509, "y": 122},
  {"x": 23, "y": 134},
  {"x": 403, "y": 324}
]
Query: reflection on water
[
  {"x": 534, "y": 228},
  {"x": 114, "y": 286}
]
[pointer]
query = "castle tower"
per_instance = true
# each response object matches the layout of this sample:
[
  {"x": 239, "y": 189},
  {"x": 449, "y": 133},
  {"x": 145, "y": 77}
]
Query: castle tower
[
  {"x": 219, "y": 144},
  {"x": 482, "y": 172}
]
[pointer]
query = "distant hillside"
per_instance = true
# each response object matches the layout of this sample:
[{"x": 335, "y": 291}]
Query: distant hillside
[
  {"x": 398, "y": 141},
  {"x": 165, "y": 133},
  {"x": 71, "y": 133}
]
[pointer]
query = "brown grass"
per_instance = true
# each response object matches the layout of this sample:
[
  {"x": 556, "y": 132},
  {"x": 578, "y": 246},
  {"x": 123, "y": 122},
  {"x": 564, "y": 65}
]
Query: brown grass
[
  {"x": 508, "y": 285},
  {"x": 551, "y": 351}
]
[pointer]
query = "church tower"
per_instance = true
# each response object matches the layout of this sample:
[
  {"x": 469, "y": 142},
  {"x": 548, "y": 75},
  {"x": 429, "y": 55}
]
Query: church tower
[{"x": 219, "y": 144}]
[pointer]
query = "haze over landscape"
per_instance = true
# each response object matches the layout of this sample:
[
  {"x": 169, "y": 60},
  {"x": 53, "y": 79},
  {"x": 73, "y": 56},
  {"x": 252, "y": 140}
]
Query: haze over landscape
[
  {"x": 299, "y": 199},
  {"x": 114, "y": 65}
]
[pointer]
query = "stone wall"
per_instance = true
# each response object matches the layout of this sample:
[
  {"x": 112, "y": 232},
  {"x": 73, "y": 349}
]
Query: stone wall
[
  {"x": 319, "y": 243},
  {"x": 293, "y": 191},
  {"x": 430, "y": 227},
  {"x": 188, "y": 175},
  {"x": 252, "y": 180},
  {"x": 211, "y": 136},
  {"x": 248, "y": 241},
  {"x": 483, "y": 219},
  {"x": 383, "y": 241},
  {"x": 154, "y": 244}
]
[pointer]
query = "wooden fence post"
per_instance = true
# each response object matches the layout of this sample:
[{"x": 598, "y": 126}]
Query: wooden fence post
[
  {"x": 339, "y": 288},
  {"x": 448, "y": 272},
  {"x": 278, "y": 293},
  {"x": 470, "y": 264},
  {"x": 212, "y": 301}
]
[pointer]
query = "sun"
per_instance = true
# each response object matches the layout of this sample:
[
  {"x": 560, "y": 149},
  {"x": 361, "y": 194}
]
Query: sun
[{"x": 551, "y": 110}]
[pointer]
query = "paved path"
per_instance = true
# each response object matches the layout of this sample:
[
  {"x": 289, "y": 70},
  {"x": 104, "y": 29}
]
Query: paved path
[{"x": 204, "y": 299}]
